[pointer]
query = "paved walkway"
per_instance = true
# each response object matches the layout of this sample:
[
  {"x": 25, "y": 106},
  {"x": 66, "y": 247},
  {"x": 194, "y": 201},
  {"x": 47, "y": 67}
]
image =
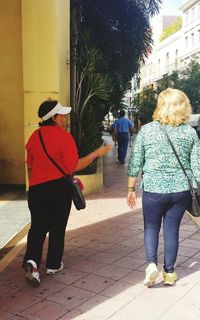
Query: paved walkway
[
  {"x": 105, "y": 263},
  {"x": 14, "y": 214}
]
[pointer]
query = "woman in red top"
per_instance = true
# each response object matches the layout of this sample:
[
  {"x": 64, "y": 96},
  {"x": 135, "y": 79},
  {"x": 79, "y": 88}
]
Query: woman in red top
[{"x": 49, "y": 196}]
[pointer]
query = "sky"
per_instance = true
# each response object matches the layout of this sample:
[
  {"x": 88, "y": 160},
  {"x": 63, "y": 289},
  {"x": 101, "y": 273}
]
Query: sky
[{"x": 170, "y": 7}]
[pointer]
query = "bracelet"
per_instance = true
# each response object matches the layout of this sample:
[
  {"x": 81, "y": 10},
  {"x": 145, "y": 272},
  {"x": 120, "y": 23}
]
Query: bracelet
[
  {"x": 92, "y": 156},
  {"x": 130, "y": 188}
]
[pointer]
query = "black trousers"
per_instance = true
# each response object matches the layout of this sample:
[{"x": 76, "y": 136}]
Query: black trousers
[{"x": 49, "y": 204}]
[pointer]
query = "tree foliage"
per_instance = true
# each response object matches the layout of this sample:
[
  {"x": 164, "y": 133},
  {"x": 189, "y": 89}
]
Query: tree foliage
[
  {"x": 121, "y": 30},
  {"x": 171, "y": 29},
  {"x": 92, "y": 81},
  {"x": 112, "y": 38},
  {"x": 186, "y": 80},
  {"x": 189, "y": 82},
  {"x": 145, "y": 103}
]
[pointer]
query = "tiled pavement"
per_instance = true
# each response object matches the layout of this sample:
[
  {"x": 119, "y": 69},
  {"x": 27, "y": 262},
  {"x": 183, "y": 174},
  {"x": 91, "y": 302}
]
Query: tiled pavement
[{"x": 104, "y": 259}]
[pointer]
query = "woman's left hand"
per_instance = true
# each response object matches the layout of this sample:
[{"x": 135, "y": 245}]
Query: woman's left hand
[
  {"x": 101, "y": 151},
  {"x": 131, "y": 199}
]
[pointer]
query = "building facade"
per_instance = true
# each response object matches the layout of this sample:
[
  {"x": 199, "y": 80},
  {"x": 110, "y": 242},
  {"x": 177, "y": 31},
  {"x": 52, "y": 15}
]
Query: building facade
[
  {"x": 190, "y": 37},
  {"x": 176, "y": 51}
]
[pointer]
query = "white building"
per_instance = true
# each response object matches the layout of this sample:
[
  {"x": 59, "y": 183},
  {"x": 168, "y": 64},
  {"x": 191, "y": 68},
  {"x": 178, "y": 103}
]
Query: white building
[
  {"x": 164, "y": 60},
  {"x": 190, "y": 31},
  {"x": 177, "y": 50},
  {"x": 167, "y": 56}
]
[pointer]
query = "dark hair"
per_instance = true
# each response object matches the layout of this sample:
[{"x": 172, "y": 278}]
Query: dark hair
[
  {"x": 122, "y": 113},
  {"x": 44, "y": 108}
]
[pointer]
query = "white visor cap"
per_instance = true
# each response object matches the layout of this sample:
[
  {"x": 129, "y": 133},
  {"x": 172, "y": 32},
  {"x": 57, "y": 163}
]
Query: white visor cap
[{"x": 58, "y": 109}]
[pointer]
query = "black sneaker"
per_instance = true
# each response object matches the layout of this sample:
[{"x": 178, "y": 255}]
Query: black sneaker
[{"x": 32, "y": 274}]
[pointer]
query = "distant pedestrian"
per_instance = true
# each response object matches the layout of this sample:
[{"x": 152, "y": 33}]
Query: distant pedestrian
[
  {"x": 123, "y": 128},
  {"x": 166, "y": 192}
]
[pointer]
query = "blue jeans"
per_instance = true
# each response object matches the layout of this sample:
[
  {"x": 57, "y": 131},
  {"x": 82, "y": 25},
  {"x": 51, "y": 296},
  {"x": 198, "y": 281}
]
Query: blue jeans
[
  {"x": 122, "y": 140},
  {"x": 170, "y": 208}
]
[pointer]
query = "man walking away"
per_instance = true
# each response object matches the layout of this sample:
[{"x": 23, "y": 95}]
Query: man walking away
[{"x": 123, "y": 127}]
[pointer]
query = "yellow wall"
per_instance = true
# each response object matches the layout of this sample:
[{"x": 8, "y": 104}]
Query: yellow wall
[
  {"x": 45, "y": 25},
  {"x": 34, "y": 64},
  {"x": 11, "y": 93},
  {"x": 63, "y": 24}
]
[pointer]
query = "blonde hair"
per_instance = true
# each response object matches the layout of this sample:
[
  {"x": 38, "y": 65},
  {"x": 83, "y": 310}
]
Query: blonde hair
[{"x": 173, "y": 107}]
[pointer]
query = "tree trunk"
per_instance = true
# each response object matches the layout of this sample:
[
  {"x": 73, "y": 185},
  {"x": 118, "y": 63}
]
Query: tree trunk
[{"x": 74, "y": 30}]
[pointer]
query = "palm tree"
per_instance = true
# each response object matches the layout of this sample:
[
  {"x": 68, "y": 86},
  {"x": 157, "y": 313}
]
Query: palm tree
[
  {"x": 109, "y": 39},
  {"x": 91, "y": 82}
]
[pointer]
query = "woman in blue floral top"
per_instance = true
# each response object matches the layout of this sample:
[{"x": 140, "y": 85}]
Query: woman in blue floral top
[{"x": 166, "y": 192}]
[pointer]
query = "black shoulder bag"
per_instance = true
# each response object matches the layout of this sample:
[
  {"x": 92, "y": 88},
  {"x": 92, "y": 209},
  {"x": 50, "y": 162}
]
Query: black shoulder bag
[
  {"x": 194, "y": 207},
  {"x": 77, "y": 195}
]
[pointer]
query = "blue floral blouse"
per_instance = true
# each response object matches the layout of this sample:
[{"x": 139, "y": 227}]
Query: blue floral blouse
[{"x": 153, "y": 155}]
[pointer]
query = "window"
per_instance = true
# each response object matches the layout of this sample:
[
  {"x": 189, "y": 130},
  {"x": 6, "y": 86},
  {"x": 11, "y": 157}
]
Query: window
[
  {"x": 186, "y": 42},
  {"x": 167, "y": 58},
  {"x": 176, "y": 58},
  {"x": 198, "y": 35},
  {"x": 186, "y": 17},
  {"x": 192, "y": 40},
  {"x": 193, "y": 14},
  {"x": 158, "y": 64}
]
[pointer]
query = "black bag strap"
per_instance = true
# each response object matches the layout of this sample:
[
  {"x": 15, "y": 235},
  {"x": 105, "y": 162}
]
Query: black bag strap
[
  {"x": 50, "y": 158},
  {"x": 179, "y": 161}
]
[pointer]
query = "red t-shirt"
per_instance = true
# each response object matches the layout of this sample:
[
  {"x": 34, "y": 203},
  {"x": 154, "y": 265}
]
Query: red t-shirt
[{"x": 60, "y": 146}]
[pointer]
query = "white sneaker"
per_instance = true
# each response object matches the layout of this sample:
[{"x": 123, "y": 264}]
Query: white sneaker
[
  {"x": 53, "y": 271},
  {"x": 151, "y": 275},
  {"x": 169, "y": 278},
  {"x": 32, "y": 274}
]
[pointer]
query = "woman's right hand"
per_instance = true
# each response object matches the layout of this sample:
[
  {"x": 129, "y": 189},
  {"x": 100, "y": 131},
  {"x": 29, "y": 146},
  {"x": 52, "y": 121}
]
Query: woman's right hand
[{"x": 132, "y": 199}]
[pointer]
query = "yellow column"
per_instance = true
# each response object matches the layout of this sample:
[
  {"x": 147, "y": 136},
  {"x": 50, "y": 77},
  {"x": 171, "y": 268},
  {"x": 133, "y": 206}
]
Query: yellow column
[
  {"x": 45, "y": 34},
  {"x": 34, "y": 64},
  {"x": 11, "y": 93}
]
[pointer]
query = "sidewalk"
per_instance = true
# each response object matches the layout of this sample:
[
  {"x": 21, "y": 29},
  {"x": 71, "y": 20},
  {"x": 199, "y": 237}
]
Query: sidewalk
[
  {"x": 104, "y": 267},
  {"x": 14, "y": 214}
]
